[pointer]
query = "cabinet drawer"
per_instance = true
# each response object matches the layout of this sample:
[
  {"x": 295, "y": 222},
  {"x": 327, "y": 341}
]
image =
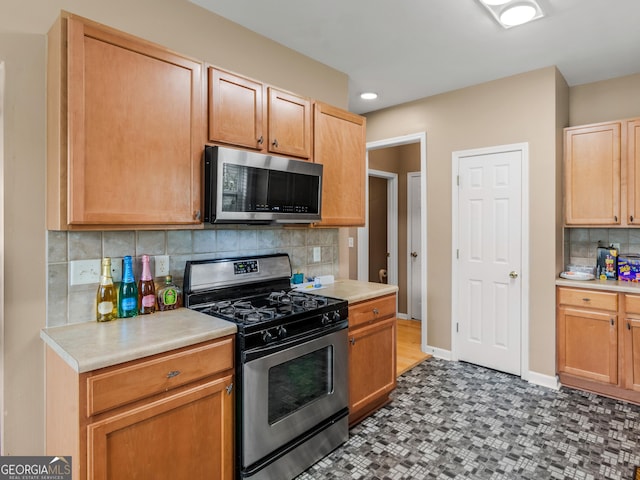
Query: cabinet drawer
[
  {"x": 121, "y": 385},
  {"x": 588, "y": 298},
  {"x": 632, "y": 304},
  {"x": 371, "y": 310}
]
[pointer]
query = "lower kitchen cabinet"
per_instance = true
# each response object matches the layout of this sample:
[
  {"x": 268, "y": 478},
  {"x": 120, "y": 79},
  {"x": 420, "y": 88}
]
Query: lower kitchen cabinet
[
  {"x": 598, "y": 342},
  {"x": 163, "y": 417},
  {"x": 631, "y": 338},
  {"x": 372, "y": 355}
]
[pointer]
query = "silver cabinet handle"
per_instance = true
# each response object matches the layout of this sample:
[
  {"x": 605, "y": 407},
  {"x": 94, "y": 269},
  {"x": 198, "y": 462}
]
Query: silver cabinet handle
[
  {"x": 275, "y": 143},
  {"x": 376, "y": 311},
  {"x": 173, "y": 373},
  {"x": 260, "y": 140},
  {"x": 414, "y": 254}
]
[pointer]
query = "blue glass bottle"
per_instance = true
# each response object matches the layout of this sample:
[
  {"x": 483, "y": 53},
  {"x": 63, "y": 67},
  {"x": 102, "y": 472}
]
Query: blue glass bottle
[{"x": 128, "y": 292}]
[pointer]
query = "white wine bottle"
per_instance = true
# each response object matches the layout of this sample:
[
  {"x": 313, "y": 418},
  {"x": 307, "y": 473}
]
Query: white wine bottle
[{"x": 106, "y": 297}]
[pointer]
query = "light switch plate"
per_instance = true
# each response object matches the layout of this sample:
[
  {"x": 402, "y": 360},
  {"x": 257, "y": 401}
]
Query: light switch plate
[
  {"x": 316, "y": 254},
  {"x": 82, "y": 272}
]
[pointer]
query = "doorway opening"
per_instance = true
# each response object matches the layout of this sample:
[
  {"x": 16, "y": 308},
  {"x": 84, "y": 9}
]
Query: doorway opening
[{"x": 398, "y": 271}]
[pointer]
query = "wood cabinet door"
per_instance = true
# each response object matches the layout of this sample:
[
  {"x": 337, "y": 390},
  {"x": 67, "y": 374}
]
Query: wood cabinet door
[
  {"x": 339, "y": 145},
  {"x": 592, "y": 175},
  {"x": 289, "y": 124},
  {"x": 588, "y": 344},
  {"x": 372, "y": 364},
  {"x": 236, "y": 110},
  {"x": 633, "y": 172},
  {"x": 631, "y": 337},
  {"x": 186, "y": 435},
  {"x": 135, "y": 129}
]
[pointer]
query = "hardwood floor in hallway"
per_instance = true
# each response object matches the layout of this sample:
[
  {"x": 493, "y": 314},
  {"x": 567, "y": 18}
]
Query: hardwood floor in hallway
[{"x": 408, "y": 346}]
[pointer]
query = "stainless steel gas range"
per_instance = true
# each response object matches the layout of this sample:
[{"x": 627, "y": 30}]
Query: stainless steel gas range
[{"x": 291, "y": 362}]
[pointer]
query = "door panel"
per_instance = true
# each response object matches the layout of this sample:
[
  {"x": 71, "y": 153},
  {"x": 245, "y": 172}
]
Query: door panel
[
  {"x": 490, "y": 250},
  {"x": 415, "y": 253}
]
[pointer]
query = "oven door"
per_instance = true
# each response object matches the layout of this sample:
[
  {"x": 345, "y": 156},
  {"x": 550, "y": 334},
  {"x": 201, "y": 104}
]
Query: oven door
[{"x": 290, "y": 391}]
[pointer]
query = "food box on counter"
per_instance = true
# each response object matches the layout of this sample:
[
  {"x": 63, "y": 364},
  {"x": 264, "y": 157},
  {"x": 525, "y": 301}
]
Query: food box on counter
[
  {"x": 629, "y": 267},
  {"x": 607, "y": 263}
]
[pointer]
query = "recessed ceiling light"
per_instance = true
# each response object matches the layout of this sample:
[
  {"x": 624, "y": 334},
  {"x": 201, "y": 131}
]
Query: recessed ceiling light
[
  {"x": 368, "y": 96},
  {"x": 510, "y": 13},
  {"x": 517, "y": 15}
]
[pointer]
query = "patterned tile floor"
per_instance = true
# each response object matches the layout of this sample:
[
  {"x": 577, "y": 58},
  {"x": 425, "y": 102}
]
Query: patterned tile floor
[{"x": 456, "y": 421}]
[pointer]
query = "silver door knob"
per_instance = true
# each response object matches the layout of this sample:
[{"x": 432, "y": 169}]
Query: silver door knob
[
  {"x": 414, "y": 254},
  {"x": 513, "y": 274}
]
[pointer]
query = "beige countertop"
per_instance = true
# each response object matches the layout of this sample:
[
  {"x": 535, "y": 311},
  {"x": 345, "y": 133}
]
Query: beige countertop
[
  {"x": 353, "y": 290},
  {"x": 608, "y": 285},
  {"x": 92, "y": 345}
]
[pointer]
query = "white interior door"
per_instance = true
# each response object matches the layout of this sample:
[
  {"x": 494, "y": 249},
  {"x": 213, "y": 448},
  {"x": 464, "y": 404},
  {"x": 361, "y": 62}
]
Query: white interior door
[
  {"x": 414, "y": 247},
  {"x": 490, "y": 257}
]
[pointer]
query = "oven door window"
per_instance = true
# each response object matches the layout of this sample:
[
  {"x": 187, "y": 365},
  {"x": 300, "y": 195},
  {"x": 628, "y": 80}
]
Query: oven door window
[{"x": 298, "y": 382}]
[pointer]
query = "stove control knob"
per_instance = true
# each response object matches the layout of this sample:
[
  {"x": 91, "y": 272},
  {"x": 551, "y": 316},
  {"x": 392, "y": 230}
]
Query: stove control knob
[
  {"x": 325, "y": 319},
  {"x": 267, "y": 336},
  {"x": 282, "y": 332},
  {"x": 336, "y": 316}
]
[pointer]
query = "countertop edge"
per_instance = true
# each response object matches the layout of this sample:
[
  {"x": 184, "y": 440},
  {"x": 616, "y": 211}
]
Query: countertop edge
[{"x": 605, "y": 285}]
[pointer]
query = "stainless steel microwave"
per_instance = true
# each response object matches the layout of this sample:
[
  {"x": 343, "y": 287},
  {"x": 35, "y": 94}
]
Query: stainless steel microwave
[{"x": 250, "y": 187}]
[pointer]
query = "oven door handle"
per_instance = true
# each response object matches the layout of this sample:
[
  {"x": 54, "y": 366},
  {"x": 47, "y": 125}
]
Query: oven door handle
[{"x": 279, "y": 346}]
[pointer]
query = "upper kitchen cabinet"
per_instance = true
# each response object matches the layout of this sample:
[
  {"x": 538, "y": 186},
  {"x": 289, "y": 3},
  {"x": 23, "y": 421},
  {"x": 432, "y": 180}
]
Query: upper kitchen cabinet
[
  {"x": 602, "y": 174},
  {"x": 632, "y": 152},
  {"x": 339, "y": 145},
  {"x": 125, "y": 130},
  {"x": 236, "y": 110},
  {"x": 592, "y": 175},
  {"x": 248, "y": 114}
]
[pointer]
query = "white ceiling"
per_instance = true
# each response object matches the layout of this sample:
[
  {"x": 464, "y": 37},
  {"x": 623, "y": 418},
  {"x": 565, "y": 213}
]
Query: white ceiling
[{"x": 410, "y": 49}]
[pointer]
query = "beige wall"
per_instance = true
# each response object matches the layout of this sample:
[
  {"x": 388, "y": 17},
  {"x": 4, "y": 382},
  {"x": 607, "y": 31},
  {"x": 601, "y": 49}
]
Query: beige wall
[
  {"x": 511, "y": 110},
  {"x": 603, "y": 101},
  {"x": 177, "y": 24}
]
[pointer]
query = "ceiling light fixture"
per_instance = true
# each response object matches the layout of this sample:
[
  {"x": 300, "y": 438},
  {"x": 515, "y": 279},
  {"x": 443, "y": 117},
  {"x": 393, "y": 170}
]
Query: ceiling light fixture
[
  {"x": 510, "y": 13},
  {"x": 368, "y": 96}
]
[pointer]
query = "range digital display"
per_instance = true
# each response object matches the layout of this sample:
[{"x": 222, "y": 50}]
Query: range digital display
[{"x": 244, "y": 267}]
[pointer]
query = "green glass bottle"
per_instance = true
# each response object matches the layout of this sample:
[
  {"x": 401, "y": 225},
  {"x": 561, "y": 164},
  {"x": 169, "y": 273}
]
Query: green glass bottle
[{"x": 128, "y": 292}]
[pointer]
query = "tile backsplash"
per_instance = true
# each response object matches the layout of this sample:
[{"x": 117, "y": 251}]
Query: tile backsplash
[
  {"x": 580, "y": 244},
  {"x": 68, "y": 303}
]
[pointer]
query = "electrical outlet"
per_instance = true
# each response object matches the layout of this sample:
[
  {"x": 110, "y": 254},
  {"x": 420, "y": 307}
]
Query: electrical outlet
[
  {"x": 82, "y": 272},
  {"x": 116, "y": 269},
  {"x": 162, "y": 265},
  {"x": 350, "y": 242},
  {"x": 316, "y": 254}
]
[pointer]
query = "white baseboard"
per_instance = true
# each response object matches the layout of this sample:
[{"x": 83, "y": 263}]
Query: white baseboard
[
  {"x": 543, "y": 380},
  {"x": 402, "y": 316},
  {"x": 437, "y": 352}
]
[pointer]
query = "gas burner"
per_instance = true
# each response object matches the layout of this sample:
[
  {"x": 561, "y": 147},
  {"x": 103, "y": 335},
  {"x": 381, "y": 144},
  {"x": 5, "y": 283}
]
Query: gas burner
[
  {"x": 308, "y": 302},
  {"x": 253, "y": 314}
]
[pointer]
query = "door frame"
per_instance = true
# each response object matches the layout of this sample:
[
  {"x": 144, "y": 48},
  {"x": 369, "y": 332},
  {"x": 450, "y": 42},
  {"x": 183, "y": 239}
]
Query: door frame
[
  {"x": 392, "y": 226},
  {"x": 363, "y": 234},
  {"x": 523, "y": 148},
  {"x": 409, "y": 236}
]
